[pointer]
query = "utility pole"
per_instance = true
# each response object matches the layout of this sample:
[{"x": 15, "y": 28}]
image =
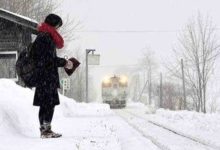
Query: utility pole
[
  {"x": 161, "y": 90},
  {"x": 87, "y": 73},
  {"x": 184, "y": 88},
  {"x": 142, "y": 91},
  {"x": 149, "y": 86},
  {"x": 135, "y": 89},
  {"x": 95, "y": 62}
]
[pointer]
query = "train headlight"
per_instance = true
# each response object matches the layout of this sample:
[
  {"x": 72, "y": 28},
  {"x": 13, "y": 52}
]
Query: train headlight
[
  {"x": 106, "y": 80},
  {"x": 123, "y": 79}
]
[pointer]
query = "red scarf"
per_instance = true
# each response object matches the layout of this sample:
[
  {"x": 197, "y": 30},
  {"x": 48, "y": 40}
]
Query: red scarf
[{"x": 57, "y": 38}]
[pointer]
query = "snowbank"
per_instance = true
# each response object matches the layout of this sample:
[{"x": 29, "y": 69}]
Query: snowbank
[
  {"x": 19, "y": 125},
  {"x": 70, "y": 108},
  {"x": 18, "y": 112},
  {"x": 202, "y": 127}
]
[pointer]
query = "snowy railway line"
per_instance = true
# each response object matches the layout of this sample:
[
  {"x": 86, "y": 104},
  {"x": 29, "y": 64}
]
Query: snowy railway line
[
  {"x": 163, "y": 138},
  {"x": 175, "y": 132},
  {"x": 154, "y": 141}
]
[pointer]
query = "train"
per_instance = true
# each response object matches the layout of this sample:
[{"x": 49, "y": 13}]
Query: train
[{"x": 115, "y": 91}]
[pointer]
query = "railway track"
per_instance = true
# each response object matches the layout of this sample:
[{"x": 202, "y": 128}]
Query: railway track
[{"x": 163, "y": 138}]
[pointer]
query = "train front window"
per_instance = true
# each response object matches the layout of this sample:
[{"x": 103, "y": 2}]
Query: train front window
[{"x": 106, "y": 85}]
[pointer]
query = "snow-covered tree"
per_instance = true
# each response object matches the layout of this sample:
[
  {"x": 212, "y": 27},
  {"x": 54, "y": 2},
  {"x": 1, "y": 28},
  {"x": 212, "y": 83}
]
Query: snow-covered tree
[{"x": 199, "y": 48}]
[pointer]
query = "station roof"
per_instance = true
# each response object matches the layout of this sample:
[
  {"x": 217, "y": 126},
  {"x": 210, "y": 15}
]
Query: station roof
[{"x": 19, "y": 19}]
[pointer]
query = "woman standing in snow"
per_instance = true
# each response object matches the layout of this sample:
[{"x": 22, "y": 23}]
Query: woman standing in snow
[{"x": 47, "y": 63}]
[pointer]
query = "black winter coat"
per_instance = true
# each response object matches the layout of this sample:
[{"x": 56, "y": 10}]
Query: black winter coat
[{"x": 47, "y": 77}]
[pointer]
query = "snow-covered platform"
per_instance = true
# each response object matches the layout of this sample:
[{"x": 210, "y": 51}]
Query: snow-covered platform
[{"x": 84, "y": 126}]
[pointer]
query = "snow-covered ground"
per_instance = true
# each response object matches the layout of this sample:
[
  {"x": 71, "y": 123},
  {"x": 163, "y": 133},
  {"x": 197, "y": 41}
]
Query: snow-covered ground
[
  {"x": 204, "y": 128},
  {"x": 94, "y": 126},
  {"x": 84, "y": 126}
]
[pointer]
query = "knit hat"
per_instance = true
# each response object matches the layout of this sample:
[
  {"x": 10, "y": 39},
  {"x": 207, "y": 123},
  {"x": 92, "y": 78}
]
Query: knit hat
[{"x": 53, "y": 20}]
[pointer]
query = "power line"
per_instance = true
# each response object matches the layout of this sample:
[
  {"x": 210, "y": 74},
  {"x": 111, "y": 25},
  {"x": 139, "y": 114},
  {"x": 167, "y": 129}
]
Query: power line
[
  {"x": 126, "y": 31},
  {"x": 102, "y": 66},
  {"x": 132, "y": 31}
]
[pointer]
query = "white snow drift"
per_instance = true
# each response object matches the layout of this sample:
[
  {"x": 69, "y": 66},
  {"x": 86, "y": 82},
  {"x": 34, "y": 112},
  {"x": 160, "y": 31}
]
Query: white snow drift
[{"x": 19, "y": 125}]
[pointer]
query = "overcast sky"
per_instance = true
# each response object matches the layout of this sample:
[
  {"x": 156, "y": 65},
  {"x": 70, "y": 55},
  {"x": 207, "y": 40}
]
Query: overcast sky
[
  {"x": 135, "y": 15},
  {"x": 162, "y": 18}
]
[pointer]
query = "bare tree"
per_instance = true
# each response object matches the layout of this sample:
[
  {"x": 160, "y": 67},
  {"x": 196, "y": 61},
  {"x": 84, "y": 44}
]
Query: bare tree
[
  {"x": 134, "y": 87},
  {"x": 148, "y": 66},
  {"x": 37, "y": 10},
  {"x": 172, "y": 98},
  {"x": 199, "y": 48}
]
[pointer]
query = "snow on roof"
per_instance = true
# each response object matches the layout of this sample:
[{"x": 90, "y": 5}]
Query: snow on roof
[
  {"x": 19, "y": 19},
  {"x": 20, "y": 16}
]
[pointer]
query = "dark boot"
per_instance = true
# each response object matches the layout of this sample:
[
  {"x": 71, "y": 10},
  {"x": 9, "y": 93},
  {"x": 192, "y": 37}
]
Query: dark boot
[
  {"x": 54, "y": 135},
  {"x": 46, "y": 132}
]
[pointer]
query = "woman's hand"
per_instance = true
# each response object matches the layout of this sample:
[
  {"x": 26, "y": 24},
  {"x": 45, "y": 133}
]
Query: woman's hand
[{"x": 69, "y": 64}]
